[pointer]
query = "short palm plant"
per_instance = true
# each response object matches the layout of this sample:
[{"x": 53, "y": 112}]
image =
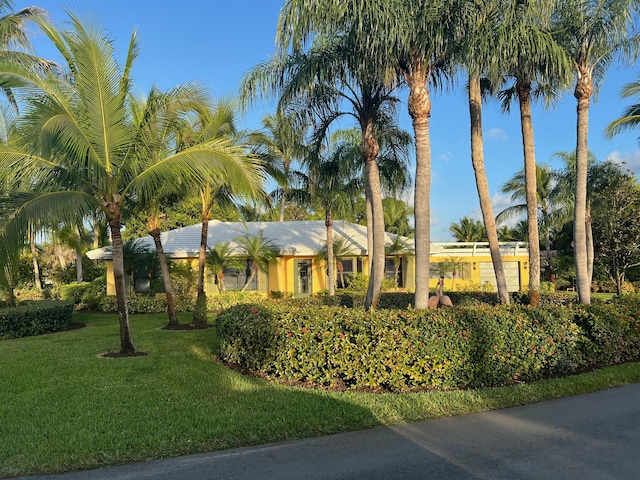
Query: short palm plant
[
  {"x": 259, "y": 251},
  {"x": 220, "y": 258}
]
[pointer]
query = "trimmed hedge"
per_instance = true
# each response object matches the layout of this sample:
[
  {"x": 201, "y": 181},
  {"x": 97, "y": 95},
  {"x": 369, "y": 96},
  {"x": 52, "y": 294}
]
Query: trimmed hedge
[
  {"x": 35, "y": 318},
  {"x": 396, "y": 350}
]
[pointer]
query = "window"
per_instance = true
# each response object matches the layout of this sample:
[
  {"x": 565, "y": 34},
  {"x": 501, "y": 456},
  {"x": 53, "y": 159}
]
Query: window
[
  {"x": 235, "y": 278},
  {"x": 390, "y": 270}
]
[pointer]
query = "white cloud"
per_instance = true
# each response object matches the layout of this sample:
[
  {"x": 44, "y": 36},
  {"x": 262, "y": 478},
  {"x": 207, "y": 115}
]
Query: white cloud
[
  {"x": 497, "y": 133},
  {"x": 499, "y": 202},
  {"x": 631, "y": 160},
  {"x": 445, "y": 156}
]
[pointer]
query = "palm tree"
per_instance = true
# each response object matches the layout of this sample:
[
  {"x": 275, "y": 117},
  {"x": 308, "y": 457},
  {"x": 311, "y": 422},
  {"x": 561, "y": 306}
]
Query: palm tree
[
  {"x": 399, "y": 247},
  {"x": 413, "y": 39},
  {"x": 334, "y": 184},
  {"x": 396, "y": 216},
  {"x": 517, "y": 186},
  {"x": 341, "y": 248},
  {"x": 630, "y": 119},
  {"x": 536, "y": 60},
  {"x": 81, "y": 149},
  {"x": 220, "y": 258},
  {"x": 594, "y": 33},
  {"x": 468, "y": 230},
  {"x": 279, "y": 145},
  {"x": 336, "y": 78},
  {"x": 259, "y": 251}
]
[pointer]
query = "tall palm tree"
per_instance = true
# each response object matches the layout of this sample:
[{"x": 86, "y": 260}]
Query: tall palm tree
[
  {"x": 80, "y": 147},
  {"x": 259, "y": 251},
  {"x": 279, "y": 145},
  {"x": 594, "y": 33},
  {"x": 536, "y": 61},
  {"x": 333, "y": 79},
  {"x": 334, "y": 184},
  {"x": 415, "y": 40}
]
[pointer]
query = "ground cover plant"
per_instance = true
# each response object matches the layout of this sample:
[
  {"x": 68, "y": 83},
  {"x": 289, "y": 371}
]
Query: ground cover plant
[{"x": 63, "y": 407}]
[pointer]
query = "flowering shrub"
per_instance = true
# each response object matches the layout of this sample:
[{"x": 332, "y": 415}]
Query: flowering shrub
[{"x": 398, "y": 350}]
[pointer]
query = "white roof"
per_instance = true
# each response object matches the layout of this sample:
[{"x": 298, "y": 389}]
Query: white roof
[{"x": 304, "y": 238}]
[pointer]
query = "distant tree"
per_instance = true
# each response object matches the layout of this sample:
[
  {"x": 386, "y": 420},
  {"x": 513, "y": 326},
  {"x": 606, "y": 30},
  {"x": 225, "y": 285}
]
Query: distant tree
[
  {"x": 616, "y": 221},
  {"x": 468, "y": 230},
  {"x": 220, "y": 258},
  {"x": 396, "y": 216},
  {"x": 342, "y": 248},
  {"x": 399, "y": 247}
]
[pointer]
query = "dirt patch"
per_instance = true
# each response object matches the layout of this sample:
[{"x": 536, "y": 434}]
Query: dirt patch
[
  {"x": 122, "y": 355},
  {"x": 184, "y": 326}
]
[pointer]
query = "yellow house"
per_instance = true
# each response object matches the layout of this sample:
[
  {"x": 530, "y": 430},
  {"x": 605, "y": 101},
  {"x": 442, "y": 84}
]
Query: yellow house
[{"x": 299, "y": 271}]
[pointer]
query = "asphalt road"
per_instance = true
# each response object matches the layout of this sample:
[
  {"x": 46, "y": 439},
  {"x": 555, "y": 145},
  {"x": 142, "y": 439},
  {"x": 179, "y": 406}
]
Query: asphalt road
[{"x": 593, "y": 436}]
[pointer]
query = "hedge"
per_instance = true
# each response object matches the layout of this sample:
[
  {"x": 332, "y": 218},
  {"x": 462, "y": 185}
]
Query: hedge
[
  {"x": 35, "y": 318},
  {"x": 400, "y": 350}
]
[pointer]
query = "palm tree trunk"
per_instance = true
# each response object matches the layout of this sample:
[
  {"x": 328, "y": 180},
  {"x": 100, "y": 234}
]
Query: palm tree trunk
[
  {"x": 477, "y": 159},
  {"x": 126, "y": 344},
  {"x": 590, "y": 247},
  {"x": 369, "y": 211},
  {"x": 369, "y": 149},
  {"x": 254, "y": 270},
  {"x": 34, "y": 258},
  {"x": 60, "y": 254},
  {"x": 419, "y": 105},
  {"x": 530, "y": 180},
  {"x": 166, "y": 278},
  {"x": 79, "y": 276},
  {"x": 200, "y": 313},
  {"x": 283, "y": 204},
  {"x": 582, "y": 93},
  {"x": 328, "y": 222}
]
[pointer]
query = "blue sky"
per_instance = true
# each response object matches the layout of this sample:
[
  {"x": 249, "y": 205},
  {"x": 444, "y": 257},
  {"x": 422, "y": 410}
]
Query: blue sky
[{"x": 216, "y": 42}]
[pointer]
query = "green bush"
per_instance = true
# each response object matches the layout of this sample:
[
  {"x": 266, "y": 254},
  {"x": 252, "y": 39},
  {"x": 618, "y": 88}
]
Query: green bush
[
  {"x": 35, "y": 318},
  {"x": 398, "y": 350},
  {"x": 229, "y": 299},
  {"x": 86, "y": 296},
  {"x": 137, "y": 303}
]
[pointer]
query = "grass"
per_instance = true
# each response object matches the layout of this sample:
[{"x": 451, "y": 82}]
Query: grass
[{"x": 63, "y": 407}]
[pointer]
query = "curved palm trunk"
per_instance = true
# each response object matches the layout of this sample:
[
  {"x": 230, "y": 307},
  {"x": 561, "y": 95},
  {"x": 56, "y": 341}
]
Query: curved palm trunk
[
  {"x": 126, "y": 344},
  {"x": 254, "y": 270},
  {"x": 477, "y": 159},
  {"x": 590, "y": 247},
  {"x": 328, "y": 222},
  {"x": 166, "y": 278},
  {"x": 34, "y": 258},
  {"x": 369, "y": 149},
  {"x": 582, "y": 93},
  {"x": 419, "y": 104},
  {"x": 200, "y": 313},
  {"x": 396, "y": 264},
  {"x": 530, "y": 180}
]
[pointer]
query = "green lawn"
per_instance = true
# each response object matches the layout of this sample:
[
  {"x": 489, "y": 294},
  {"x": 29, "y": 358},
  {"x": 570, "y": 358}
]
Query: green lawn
[{"x": 63, "y": 407}]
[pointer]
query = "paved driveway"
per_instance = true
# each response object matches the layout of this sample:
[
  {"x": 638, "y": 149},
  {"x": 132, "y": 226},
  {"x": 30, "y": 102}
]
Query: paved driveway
[{"x": 593, "y": 436}]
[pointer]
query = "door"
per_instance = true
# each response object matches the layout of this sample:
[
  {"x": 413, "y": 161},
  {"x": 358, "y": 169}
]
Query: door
[
  {"x": 302, "y": 278},
  {"x": 511, "y": 272}
]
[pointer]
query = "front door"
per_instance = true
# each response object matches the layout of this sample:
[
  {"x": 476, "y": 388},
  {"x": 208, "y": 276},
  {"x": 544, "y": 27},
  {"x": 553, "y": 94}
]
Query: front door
[{"x": 303, "y": 278}]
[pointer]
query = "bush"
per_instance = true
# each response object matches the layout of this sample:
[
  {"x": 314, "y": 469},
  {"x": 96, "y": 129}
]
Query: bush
[
  {"x": 398, "y": 350},
  {"x": 229, "y": 299},
  {"x": 35, "y": 318}
]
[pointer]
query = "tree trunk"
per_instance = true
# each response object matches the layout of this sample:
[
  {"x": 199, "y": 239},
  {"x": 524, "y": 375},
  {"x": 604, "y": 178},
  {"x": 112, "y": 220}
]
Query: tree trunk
[
  {"x": 254, "y": 270},
  {"x": 477, "y": 159},
  {"x": 369, "y": 149},
  {"x": 126, "y": 344},
  {"x": 79, "y": 275},
  {"x": 328, "y": 222},
  {"x": 419, "y": 105},
  {"x": 369, "y": 211},
  {"x": 526, "y": 123},
  {"x": 200, "y": 313},
  {"x": 283, "y": 203},
  {"x": 590, "y": 247},
  {"x": 583, "y": 90},
  {"x": 60, "y": 254},
  {"x": 166, "y": 278},
  {"x": 34, "y": 259}
]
